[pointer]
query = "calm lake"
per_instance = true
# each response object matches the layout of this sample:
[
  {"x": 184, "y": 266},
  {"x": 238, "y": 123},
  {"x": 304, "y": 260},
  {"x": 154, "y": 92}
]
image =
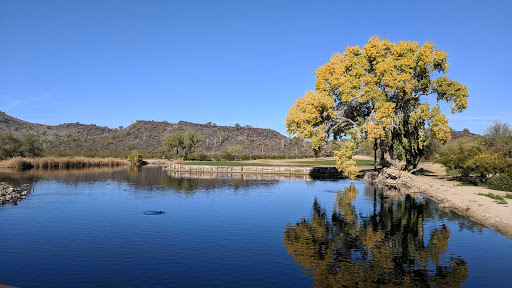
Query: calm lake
[{"x": 152, "y": 228}]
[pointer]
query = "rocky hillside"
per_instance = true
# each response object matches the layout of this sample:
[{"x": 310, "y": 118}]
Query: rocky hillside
[
  {"x": 146, "y": 136},
  {"x": 460, "y": 134}
]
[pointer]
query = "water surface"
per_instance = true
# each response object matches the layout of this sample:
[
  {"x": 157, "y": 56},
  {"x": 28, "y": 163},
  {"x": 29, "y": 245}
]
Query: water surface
[{"x": 91, "y": 228}]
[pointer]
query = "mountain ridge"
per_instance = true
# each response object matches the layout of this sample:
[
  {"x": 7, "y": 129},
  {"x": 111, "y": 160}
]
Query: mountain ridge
[{"x": 147, "y": 135}]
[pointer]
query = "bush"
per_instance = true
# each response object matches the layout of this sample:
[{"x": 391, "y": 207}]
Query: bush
[
  {"x": 199, "y": 157},
  {"x": 488, "y": 164},
  {"x": 500, "y": 182},
  {"x": 245, "y": 157},
  {"x": 472, "y": 156},
  {"x": 228, "y": 157},
  {"x": 12, "y": 146},
  {"x": 130, "y": 146},
  {"x": 457, "y": 155},
  {"x": 508, "y": 171},
  {"x": 135, "y": 158}
]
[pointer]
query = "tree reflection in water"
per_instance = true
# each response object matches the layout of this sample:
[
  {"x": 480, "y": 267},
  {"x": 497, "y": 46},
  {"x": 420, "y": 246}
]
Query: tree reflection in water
[{"x": 385, "y": 249}]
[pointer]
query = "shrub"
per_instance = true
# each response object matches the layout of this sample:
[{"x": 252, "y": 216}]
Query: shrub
[
  {"x": 500, "y": 182},
  {"x": 199, "y": 157},
  {"x": 135, "y": 158},
  {"x": 488, "y": 164},
  {"x": 105, "y": 142},
  {"x": 508, "y": 171},
  {"x": 130, "y": 146},
  {"x": 457, "y": 155},
  {"x": 10, "y": 145},
  {"x": 228, "y": 157},
  {"x": 234, "y": 149}
]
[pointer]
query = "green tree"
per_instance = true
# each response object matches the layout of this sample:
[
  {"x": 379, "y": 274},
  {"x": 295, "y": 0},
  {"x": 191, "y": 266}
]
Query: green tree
[
  {"x": 498, "y": 138},
  {"x": 187, "y": 140},
  {"x": 191, "y": 140},
  {"x": 10, "y": 145},
  {"x": 173, "y": 142},
  {"x": 379, "y": 91},
  {"x": 30, "y": 145}
]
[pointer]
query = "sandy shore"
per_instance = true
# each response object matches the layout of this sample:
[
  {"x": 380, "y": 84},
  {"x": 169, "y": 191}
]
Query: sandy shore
[
  {"x": 462, "y": 199},
  {"x": 466, "y": 201}
]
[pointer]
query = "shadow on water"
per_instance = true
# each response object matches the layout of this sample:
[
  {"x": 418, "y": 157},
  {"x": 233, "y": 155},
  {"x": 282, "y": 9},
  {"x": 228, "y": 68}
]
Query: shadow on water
[{"x": 386, "y": 248}]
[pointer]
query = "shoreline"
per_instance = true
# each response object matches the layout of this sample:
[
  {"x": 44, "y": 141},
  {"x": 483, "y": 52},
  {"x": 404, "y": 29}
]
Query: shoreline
[
  {"x": 461, "y": 199},
  {"x": 450, "y": 194}
]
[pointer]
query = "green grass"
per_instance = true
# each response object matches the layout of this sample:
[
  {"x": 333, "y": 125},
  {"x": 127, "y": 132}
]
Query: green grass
[
  {"x": 366, "y": 163},
  {"x": 228, "y": 163},
  {"x": 464, "y": 185},
  {"x": 333, "y": 163},
  {"x": 313, "y": 163},
  {"x": 499, "y": 199}
]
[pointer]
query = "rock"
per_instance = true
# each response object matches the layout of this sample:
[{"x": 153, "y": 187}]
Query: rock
[
  {"x": 389, "y": 178},
  {"x": 11, "y": 194}
]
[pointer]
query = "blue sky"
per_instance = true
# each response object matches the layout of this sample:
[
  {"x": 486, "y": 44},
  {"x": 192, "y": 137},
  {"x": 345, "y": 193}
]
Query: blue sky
[{"x": 114, "y": 62}]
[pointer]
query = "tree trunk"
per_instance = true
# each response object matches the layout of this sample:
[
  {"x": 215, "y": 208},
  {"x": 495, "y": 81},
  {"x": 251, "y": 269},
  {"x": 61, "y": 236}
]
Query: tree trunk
[
  {"x": 375, "y": 155},
  {"x": 384, "y": 156}
]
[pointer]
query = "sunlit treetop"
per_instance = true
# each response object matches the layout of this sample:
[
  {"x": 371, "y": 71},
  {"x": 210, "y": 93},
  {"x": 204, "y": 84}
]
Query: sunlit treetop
[{"x": 380, "y": 90}]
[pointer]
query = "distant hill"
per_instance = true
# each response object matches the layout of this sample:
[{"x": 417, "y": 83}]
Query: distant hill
[
  {"x": 460, "y": 134},
  {"x": 147, "y": 137}
]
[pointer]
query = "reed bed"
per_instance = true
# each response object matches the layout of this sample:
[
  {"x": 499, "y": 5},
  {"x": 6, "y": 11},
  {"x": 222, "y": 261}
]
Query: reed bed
[{"x": 62, "y": 162}]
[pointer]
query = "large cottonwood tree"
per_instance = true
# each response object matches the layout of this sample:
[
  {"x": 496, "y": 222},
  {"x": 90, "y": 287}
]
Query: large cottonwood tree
[{"x": 379, "y": 91}]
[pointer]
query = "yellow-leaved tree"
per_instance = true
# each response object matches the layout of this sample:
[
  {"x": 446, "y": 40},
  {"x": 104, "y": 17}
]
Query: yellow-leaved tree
[{"x": 379, "y": 91}]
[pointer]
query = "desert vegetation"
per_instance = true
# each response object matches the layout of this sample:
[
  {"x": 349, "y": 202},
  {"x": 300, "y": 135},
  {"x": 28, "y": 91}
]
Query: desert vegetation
[
  {"x": 61, "y": 162},
  {"x": 27, "y": 145},
  {"x": 186, "y": 140},
  {"x": 135, "y": 158},
  {"x": 483, "y": 159}
]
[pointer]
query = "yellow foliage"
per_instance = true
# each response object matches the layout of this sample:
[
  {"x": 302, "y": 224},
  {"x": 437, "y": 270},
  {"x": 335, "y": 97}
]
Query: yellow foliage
[
  {"x": 452, "y": 92},
  {"x": 439, "y": 125},
  {"x": 379, "y": 122},
  {"x": 378, "y": 90},
  {"x": 343, "y": 159},
  {"x": 307, "y": 118}
]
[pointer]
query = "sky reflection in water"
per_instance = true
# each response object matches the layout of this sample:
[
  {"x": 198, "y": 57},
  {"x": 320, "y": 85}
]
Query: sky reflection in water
[{"x": 89, "y": 228}]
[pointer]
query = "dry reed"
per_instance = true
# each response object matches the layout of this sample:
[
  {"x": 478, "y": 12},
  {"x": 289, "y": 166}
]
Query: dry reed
[{"x": 61, "y": 162}]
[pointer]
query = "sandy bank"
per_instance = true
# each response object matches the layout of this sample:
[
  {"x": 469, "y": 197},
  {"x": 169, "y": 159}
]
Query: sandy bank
[{"x": 462, "y": 199}]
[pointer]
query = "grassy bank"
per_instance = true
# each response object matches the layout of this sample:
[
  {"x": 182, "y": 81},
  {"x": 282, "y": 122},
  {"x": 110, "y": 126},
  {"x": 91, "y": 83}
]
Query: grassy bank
[
  {"x": 61, "y": 162},
  {"x": 230, "y": 163},
  {"x": 291, "y": 163}
]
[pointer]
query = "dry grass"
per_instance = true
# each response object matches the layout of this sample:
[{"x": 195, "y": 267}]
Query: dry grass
[{"x": 61, "y": 162}]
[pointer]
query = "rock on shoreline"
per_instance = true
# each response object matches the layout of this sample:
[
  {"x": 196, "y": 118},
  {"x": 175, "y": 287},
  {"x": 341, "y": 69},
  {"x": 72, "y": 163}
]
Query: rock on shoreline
[{"x": 11, "y": 195}]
